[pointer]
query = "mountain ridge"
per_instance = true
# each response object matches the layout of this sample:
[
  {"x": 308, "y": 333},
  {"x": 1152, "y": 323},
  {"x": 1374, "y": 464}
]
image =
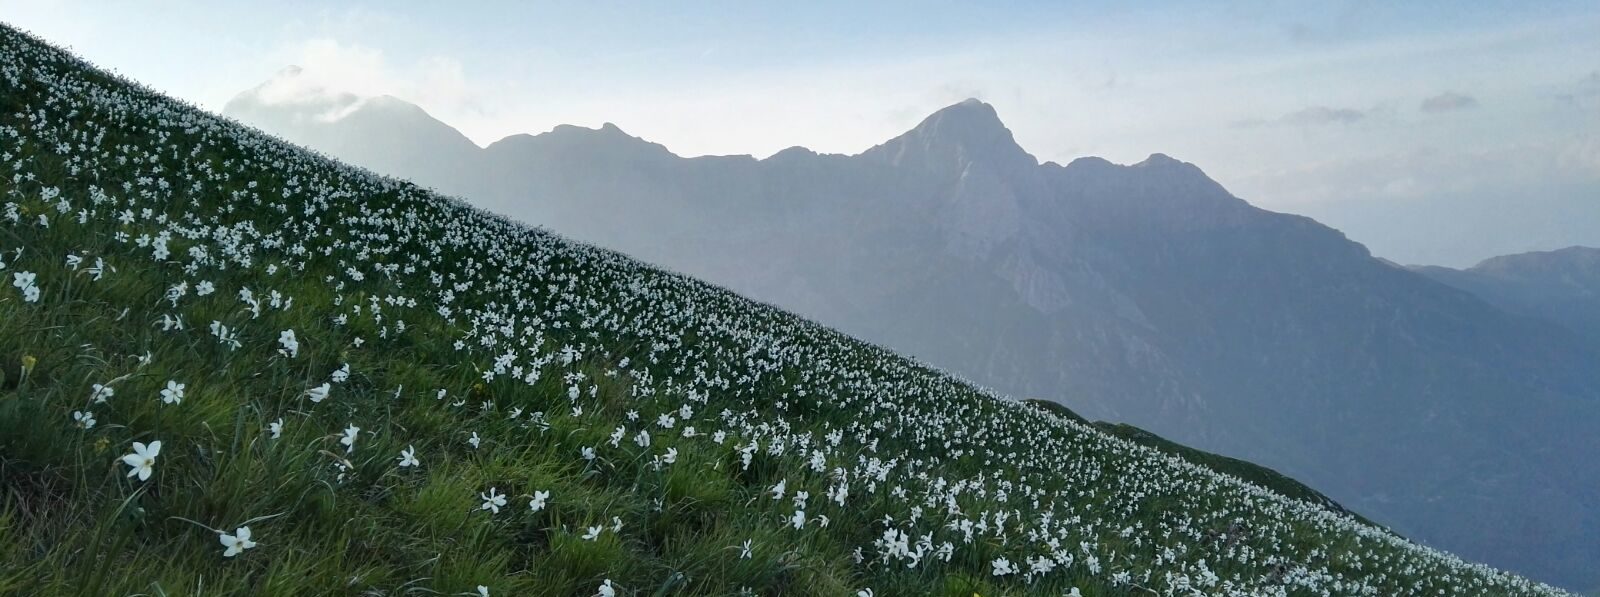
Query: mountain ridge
[
  {"x": 503, "y": 410},
  {"x": 1144, "y": 293},
  {"x": 1560, "y": 286}
]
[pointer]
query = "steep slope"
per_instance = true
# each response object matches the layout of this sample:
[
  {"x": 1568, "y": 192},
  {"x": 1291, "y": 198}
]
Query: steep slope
[
  {"x": 1562, "y": 286},
  {"x": 1142, "y": 293},
  {"x": 1250, "y": 472},
  {"x": 399, "y": 393}
]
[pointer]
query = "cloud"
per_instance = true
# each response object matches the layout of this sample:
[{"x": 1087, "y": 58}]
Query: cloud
[
  {"x": 1448, "y": 101},
  {"x": 1312, "y": 116},
  {"x": 1587, "y": 88},
  {"x": 1590, "y": 85},
  {"x": 1428, "y": 173},
  {"x": 336, "y": 77},
  {"x": 1317, "y": 115},
  {"x": 1583, "y": 97}
]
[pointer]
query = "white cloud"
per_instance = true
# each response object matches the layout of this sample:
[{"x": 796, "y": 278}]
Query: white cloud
[{"x": 338, "y": 76}]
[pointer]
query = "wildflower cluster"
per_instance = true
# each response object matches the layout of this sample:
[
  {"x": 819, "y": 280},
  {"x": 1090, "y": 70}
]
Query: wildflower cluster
[{"x": 389, "y": 375}]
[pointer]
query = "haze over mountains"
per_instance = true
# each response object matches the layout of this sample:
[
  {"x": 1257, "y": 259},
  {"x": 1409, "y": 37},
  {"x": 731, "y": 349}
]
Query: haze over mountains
[
  {"x": 1561, "y": 286},
  {"x": 1457, "y": 412}
]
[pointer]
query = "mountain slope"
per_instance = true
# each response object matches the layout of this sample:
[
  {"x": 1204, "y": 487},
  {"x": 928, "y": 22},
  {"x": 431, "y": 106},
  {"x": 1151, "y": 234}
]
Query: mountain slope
[
  {"x": 1141, "y": 293},
  {"x": 397, "y": 136},
  {"x": 1562, "y": 286},
  {"x": 399, "y": 393}
]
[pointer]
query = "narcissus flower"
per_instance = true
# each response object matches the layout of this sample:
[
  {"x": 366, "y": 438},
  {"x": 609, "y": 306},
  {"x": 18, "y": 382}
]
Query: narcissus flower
[
  {"x": 237, "y": 542},
  {"x": 173, "y": 393},
  {"x": 408, "y": 457},
  {"x": 493, "y": 501},
  {"x": 289, "y": 345},
  {"x": 349, "y": 439},
  {"x": 24, "y": 281},
  {"x": 142, "y": 461}
]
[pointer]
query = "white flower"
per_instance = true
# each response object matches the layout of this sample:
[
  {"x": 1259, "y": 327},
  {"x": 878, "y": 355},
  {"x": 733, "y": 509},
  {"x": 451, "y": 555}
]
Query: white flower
[
  {"x": 173, "y": 393},
  {"x": 408, "y": 457},
  {"x": 864, "y": 593},
  {"x": 342, "y": 374},
  {"x": 474, "y": 440},
  {"x": 349, "y": 439},
  {"x": 100, "y": 393},
  {"x": 143, "y": 459},
  {"x": 587, "y": 453},
  {"x": 276, "y": 427},
  {"x": 594, "y": 533},
  {"x": 237, "y": 542},
  {"x": 99, "y": 269},
  {"x": 204, "y": 288},
  {"x": 744, "y": 550},
  {"x": 643, "y": 439},
  {"x": 84, "y": 419},
  {"x": 539, "y": 498},
  {"x": 1002, "y": 567},
  {"x": 493, "y": 500},
  {"x": 798, "y": 519},
  {"x": 291, "y": 346},
  {"x": 176, "y": 292},
  {"x": 483, "y": 591},
  {"x": 319, "y": 393},
  {"x": 24, "y": 281},
  {"x": 671, "y": 456},
  {"x": 606, "y": 590}
]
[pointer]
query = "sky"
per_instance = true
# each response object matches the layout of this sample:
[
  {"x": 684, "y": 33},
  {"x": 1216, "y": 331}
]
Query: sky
[{"x": 1340, "y": 110}]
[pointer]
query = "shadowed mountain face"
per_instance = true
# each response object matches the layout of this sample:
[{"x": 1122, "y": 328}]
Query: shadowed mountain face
[
  {"x": 1143, "y": 293},
  {"x": 1561, "y": 287}
]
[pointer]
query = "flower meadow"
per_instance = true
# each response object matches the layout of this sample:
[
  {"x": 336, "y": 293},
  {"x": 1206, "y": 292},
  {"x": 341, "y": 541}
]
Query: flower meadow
[{"x": 233, "y": 366}]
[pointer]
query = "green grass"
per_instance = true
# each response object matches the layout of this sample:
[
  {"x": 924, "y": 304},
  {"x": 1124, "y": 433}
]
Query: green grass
[
  {"x": 773, "y": 398},
  {"x": 1247, "y": 471}
]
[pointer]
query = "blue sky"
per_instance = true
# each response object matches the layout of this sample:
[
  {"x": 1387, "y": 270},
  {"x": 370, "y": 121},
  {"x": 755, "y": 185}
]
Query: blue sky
[{"x": 1293, "y": 106}]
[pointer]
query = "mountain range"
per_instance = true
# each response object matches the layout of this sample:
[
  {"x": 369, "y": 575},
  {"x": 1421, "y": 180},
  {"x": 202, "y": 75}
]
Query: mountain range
[
  {"x": 1455, "y": 406},
  {"x": 1561, "y": 286}
]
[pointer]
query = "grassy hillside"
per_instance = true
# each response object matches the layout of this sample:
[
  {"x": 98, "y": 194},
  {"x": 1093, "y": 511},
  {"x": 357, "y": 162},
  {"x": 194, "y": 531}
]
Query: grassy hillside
[
  {"x": 398, "y": 394},
  {"x": 1248, "y": 471}
]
